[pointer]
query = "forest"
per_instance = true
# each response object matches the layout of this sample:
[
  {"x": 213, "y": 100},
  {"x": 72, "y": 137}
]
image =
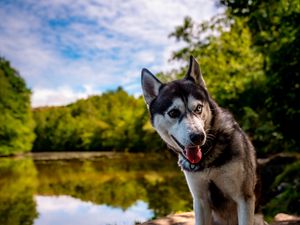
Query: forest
[{"x": 114, "y": 121}]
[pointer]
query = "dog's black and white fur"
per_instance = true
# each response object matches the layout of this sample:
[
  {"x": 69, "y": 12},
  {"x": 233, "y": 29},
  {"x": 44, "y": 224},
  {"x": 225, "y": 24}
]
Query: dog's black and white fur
[{"x": 216, "y": 156}]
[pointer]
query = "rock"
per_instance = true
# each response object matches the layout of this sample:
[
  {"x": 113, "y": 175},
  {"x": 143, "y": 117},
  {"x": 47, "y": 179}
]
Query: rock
[
  {"x": 175, "y": 219},
  {"x": 286, "y": 219},
  {"x": 188, "y": 219},
  {"x": 286, "y": 223}
]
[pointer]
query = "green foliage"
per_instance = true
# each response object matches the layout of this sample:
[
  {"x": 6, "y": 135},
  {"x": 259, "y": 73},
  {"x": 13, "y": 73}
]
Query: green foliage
[
  {"x": 287, "y": 185},
  {"x": 16, "y": 123},
  {"x": 275, "y": 30},
  {"x": 112, "y": 121}
]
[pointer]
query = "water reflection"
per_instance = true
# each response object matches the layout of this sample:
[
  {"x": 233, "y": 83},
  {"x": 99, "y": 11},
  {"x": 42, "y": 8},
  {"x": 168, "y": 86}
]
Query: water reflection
[
  {"x": 17, "y": 186},
  {"x": 67, "y": 210},
  {"x": 127, "y": 187}
]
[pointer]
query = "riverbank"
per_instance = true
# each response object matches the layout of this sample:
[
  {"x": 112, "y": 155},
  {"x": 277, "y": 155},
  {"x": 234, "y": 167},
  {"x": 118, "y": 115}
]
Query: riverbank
[
  {"x": 68, "y": 155},
  {"x": 77, "y": 155}
]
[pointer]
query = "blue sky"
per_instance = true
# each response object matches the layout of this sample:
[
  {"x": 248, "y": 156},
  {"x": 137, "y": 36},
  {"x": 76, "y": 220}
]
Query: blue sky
[{"x": 70, "y": 49}]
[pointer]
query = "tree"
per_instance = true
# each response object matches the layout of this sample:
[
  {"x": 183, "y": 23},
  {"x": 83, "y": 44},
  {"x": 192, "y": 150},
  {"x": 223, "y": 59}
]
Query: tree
[
  {"x": 275, "y": 31},
  {"x": 16, "y": 123}
]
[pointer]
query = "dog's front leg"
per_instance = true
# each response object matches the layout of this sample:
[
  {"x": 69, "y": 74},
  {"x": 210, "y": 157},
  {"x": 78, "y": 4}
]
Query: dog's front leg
[
  {"x": 199, "y": 189},
  {"x": 245, "y": 208},
  {"x": 202, "y": 212}
]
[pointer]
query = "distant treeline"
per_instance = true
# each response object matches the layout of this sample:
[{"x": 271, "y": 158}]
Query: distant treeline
[
  {"x": 250, "y": 59},
  {"x": 113, "y": 121}
]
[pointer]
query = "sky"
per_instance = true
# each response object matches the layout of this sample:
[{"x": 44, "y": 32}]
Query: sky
[{"x": 71, "y": 49}]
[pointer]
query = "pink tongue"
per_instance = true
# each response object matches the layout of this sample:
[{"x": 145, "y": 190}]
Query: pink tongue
[{"x": 193, "y": 154}]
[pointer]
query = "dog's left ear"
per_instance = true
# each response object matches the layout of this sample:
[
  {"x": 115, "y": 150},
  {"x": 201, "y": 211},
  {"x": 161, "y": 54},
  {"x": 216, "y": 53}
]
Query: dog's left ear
[
  {"x": 150, "y": 85},
  {"x": 194, "y": 72}
]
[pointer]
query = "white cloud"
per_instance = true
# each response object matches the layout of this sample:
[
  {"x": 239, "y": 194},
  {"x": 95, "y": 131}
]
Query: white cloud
[
  {"x": 145, "y": 56},
  {"x": 59, "y": 45},
  {"x": 60, "y": 96}
]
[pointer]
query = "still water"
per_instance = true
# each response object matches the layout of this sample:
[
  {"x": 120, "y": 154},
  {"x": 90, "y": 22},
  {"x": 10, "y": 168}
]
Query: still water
[{"x": 107, "y": 189}]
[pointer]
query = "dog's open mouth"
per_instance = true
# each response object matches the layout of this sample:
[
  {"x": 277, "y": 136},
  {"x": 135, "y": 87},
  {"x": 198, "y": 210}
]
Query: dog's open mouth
[{"x": 192, "y": 153}]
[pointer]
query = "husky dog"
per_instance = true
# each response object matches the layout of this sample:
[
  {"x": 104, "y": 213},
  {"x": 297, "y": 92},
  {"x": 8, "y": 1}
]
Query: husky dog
[{"x": 216, "y": 156}]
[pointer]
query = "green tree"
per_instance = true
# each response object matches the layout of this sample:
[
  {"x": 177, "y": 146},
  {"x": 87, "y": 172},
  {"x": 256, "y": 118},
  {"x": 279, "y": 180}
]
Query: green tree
[
  {"x": 275, "y": 31},
  {"x": 16, "y": 123},
  {"x": 229, "y": 64},
  {"x": 55, "y": 129}
]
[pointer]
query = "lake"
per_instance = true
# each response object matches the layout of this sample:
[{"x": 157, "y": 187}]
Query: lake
[{"x": 96, "y": 189}]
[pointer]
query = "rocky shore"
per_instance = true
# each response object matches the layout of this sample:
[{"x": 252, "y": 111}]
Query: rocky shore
[{"x": 188, "y": 219}]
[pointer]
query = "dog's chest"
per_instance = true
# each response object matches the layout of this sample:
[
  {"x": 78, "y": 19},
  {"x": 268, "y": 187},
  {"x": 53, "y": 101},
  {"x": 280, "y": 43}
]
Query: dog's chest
[
  {"x": 198, "y": 182},
  {"x": 228, "y": 178}
]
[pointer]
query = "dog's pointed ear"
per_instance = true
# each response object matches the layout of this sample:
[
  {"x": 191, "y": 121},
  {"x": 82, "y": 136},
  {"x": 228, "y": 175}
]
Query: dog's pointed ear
[
  {"x": 194, "y": 72},
  {"x": 150, "y": 85}
]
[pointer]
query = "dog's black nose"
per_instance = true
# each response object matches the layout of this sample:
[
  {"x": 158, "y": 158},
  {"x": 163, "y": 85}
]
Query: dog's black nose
[{"x": 197, "y": 138}]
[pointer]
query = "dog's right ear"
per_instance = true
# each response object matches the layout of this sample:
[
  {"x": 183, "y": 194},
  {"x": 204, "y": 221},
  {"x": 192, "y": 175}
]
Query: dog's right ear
[
  {"x": 194, "y": 72},
  {"x": 150, "y": 85}
]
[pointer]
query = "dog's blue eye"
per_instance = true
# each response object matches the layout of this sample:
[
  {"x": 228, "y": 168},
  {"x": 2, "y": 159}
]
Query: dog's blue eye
[
  {"x": 174, "y": 113},
  {"x": 198, "y": 109}
]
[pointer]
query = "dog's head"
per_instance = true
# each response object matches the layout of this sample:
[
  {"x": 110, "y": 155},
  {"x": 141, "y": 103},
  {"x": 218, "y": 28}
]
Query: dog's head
[{"x": 180, "y": 110}]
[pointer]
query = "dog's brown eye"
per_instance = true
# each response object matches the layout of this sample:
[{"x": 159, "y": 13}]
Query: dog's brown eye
[
  {"x": 198, "y": 109},
  {"x": 174, "y": 113}
]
